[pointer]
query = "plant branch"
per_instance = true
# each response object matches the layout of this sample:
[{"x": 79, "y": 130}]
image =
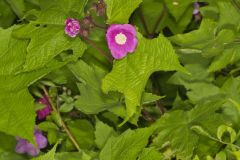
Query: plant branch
[
  {"x": 147, "y": 116},
  {"x": 144, "y": 22},
  {"x": 64, "y": 126},
  {"x": 159, "y": 20},
  {"x": 99, "y": 26},
  {"x": 156, "y": 91},
  {"x": 110, "y": 59}
]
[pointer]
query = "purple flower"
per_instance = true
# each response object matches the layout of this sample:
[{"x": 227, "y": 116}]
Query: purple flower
[
  {"x": 23, "y": 146},
  {"x": 196, "y": 11},
  {"x": 43, "y": 113},
  {"x": 72, "y": 27},
  {"x": 121, "y": 39},
  {"x": 196, "y": 8}
]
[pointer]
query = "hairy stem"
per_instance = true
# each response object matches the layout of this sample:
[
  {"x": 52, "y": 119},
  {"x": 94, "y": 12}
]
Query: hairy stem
[
  {"x": 147, "y": 116},
  {"x": 64, "y": 126}
]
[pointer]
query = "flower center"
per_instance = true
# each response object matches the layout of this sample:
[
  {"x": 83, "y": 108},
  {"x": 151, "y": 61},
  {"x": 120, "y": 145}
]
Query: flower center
[{"x": 120, "y": 39}]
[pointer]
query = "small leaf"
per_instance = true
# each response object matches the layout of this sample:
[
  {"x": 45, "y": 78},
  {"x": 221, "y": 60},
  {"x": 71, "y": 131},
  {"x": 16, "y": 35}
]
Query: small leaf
[
  {"x": 221, "y": 156},
  {"x": 127, "y": 146},
  {"x": 226, "y": 129},
  {"x": 83, "y": 132},
  {"x": 196, "y": 39},
  {"x": 201, "y": 131},
  {"x": 72, "y": 156},
  {"x": 46, "y": 125},
  {"x": 48, "y": 156},
  {"x": 66, "y": 107},
  {"x": 149, "y": 98},
  {"x": 92, "y": 100},
  {"x": 102, "y": 133},
  {"x": 119, "y": 11},
  {"x": 7, "y": 16},
  {"x": 150, "y": 154},
  {"x": 229, "y": 56}
]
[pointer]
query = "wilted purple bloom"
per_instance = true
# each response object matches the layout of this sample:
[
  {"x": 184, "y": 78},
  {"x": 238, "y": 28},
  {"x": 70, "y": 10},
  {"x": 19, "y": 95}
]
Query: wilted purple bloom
[
  {"x": 99, "y": 7},
  {"x": 23, "y": 146},
  {"x": 196, "y": 11},
  {"x": 72, "y": 27},
  {"x": 121, "y": 39},
  {"x": 43, "y": 113},
  {"x": 196, "y": 8}
]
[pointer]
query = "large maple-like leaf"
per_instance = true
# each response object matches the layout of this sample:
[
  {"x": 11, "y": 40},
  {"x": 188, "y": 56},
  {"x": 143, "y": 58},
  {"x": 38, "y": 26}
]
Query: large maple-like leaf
[{"x": 129, "y": 75}]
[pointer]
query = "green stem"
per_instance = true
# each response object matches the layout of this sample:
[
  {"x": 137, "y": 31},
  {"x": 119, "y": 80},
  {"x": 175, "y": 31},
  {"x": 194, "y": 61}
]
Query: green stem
[
  {"x": 156, "y": 90},
  {"x": 144, "y": 22},
  {"x": 99, "y": 26},
  {"x": 159, "y": 20},
  {"x": 64, "y": 126}
]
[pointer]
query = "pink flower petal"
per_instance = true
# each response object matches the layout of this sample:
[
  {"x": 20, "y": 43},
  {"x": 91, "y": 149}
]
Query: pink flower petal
[{"x": 127, "y": 39}]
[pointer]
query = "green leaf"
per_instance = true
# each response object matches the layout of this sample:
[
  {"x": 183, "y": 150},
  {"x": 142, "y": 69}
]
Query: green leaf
[
  {"x": 150, "y": 154},
  {"x": 13, "y": 56},
  {"x": 177, "y": 8},
  {"x": 221, "y": 156},
  {"x": 149, "y": 98},
  {"x": 119, "y": 11},
  {"x": 223, "y": 129},
  {"x": 127, "y": 146},
  {"x": 46, "y": 126},
  {"x": 11, "y": 156},
  {"x": 199, "y": 91},
  {"x": 201, "y": 131},
  {"x": 226, "y": 10},
  {"x": 92, "y": 99},
  {"x": 102, "y": 133},
  {"x": 181, "y": 21},
  {"x": 153, "y": 10},
  {"x": 56, "y": 11},
  {"x": 196, "y": 158},
  {"x": 72, "y": 156},
  {"x": 17, "y": 114},
  {"x": 129, "y": 75},
  {"x": 176, "y": 127},
  {"x": 83, "y": 132},
  {"x": 14, "y": 83},
  {"x": 7, "y": 16},
  {"x": 198, "y": 74},
  {"x": 38, "y": 57},
  {"x": 50, "y": 24},
  {"x": 48, "y": 156},
  {"x": 199, "y": 84},
  {"x": 7, "y": 143},
  {"x": 23, "y": 80},
  {"x": 18, "y": 6},
  {"x": 12, "y": 52},
  {"x": 66, "y": 107},
  {"x": 236, "y": 155},
  {"x": 229, "y": 56},
  {"x": 196, "y": 39}
]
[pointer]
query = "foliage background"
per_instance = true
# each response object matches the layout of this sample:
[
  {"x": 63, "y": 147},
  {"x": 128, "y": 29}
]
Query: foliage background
[{"x": 176, "y": 97}]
